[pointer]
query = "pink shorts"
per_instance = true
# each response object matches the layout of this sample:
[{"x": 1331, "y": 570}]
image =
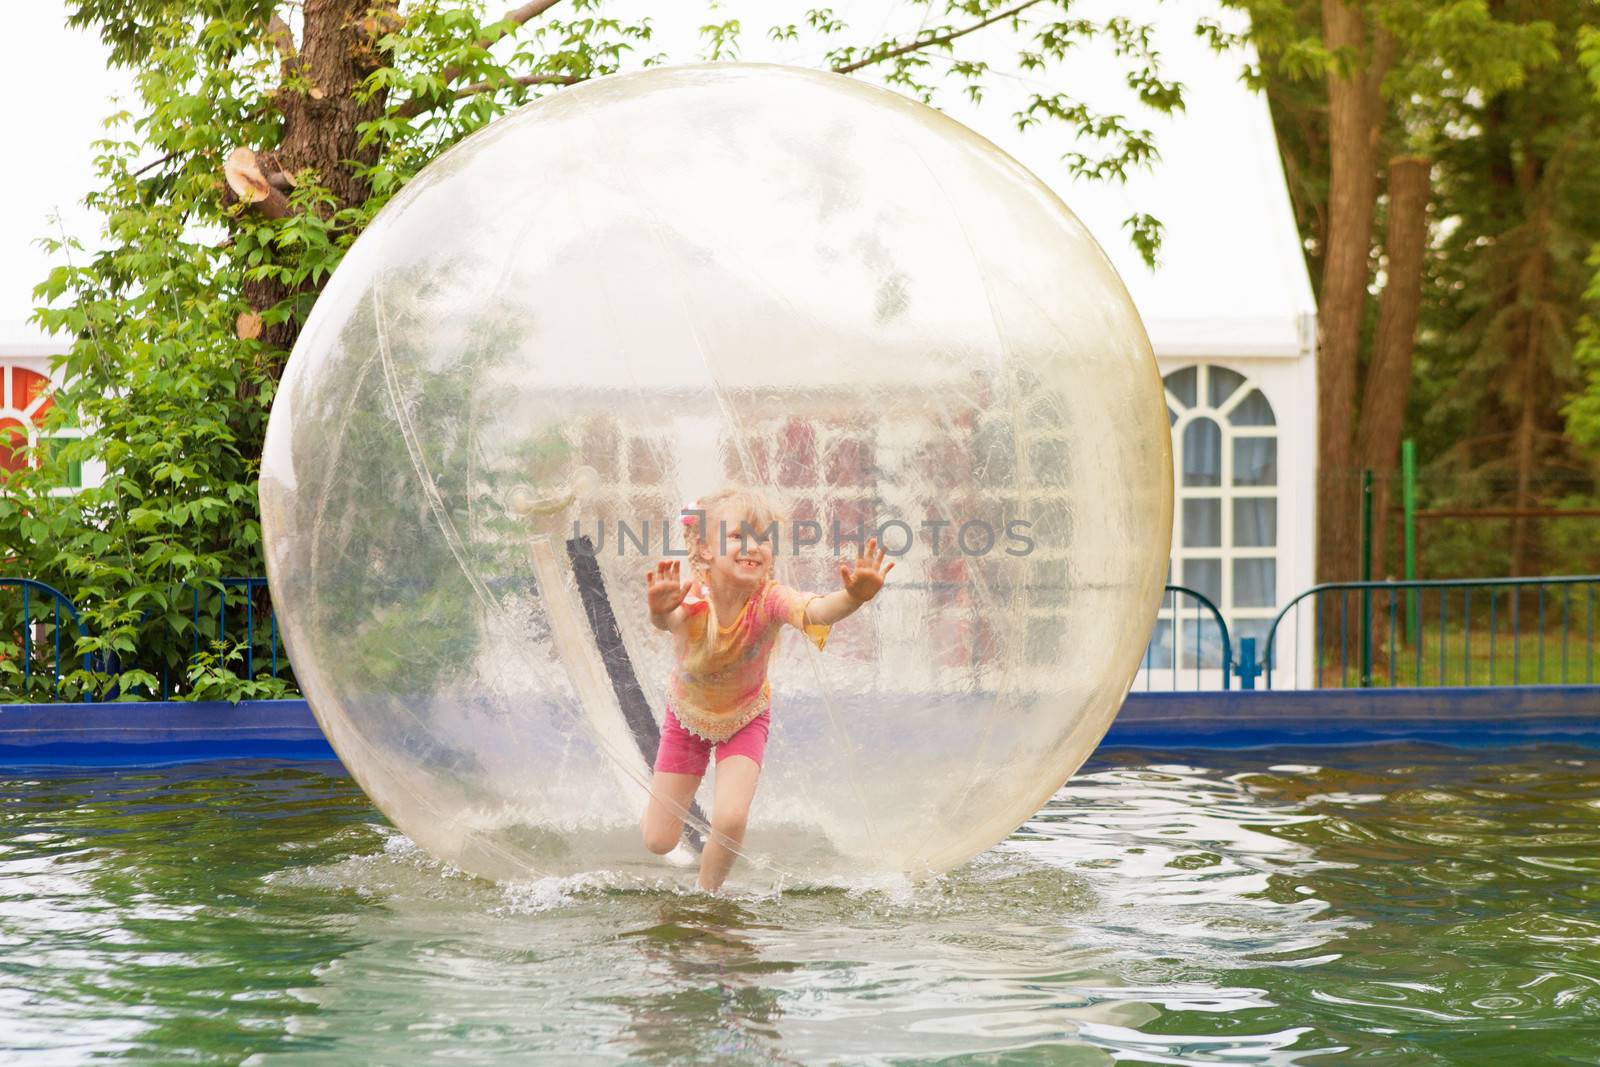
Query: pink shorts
[{"x": 683, "y": 753}]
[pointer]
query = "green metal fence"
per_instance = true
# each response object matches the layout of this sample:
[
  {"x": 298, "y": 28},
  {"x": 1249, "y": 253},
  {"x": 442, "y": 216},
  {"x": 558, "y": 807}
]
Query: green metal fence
[
  {"x": 1455, "y": 632},
  {"x": 37, "y": 636},
  {"x": 1459, "y": 632},
  {"x": 231, "y": 619}
]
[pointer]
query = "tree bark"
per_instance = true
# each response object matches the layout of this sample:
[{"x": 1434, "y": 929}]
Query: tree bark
[
  {"x": 321, "y": 133},
  {"x": 1530, "y": 299},
  {"x": 1387, "y": 387},
  {"x": 320, "y": 126},
  {"x": 1354, "y": 113},
  {"x": 1532, "y": 282}
]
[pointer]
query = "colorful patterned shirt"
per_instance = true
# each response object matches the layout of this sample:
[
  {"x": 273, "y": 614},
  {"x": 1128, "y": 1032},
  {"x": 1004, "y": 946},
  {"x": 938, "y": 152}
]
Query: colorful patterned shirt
[{"x": 720, "y": 682}]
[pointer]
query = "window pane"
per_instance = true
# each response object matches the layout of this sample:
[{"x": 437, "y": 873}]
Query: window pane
[
  {"x": 1255, "y": 522},
  {"x": 1044, "y": 642},
  {"x": 1172, "y": 417},
  {"x": 1202, "y": 523},
  {"x": 1204, "y": 576},
  {"x": 1253, "y": 410},
  {"x": 993, "y": 459},
  {"x": 1050, "y": 462},
  {"x": 1180, "y": 383},
  {"x": 1158, "y": 656},
  {"x": 1255, "y": 460},
  {"x": 1202, "y": 453},
  {"x": 1221, "y": 384},
  {"x": 1206, "y": 636},
  {"x": 74, "y": 472},
  {"x": 1255, "y": 583},
  {"x": 13, "y": 445}
]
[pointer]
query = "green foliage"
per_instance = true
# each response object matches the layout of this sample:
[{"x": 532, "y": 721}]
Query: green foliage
[
  {"x": 1447, "y": 57},
  {"x": 215, "y": 674},
  {"x": 174, "y": 402},
  {"x": 1496, "y": 97},
  {"x": 1583, "y": 410},
  {"x": 1517, "y": 176}
]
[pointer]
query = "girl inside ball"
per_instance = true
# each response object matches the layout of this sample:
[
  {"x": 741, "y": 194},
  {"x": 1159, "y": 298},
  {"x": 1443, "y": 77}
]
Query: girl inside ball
[{"x": 718, "y": 698}]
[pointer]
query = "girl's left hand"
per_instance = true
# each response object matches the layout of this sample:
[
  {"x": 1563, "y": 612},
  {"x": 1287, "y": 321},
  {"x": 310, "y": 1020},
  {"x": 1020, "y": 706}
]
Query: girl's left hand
[{"x": 863, "y": 581}]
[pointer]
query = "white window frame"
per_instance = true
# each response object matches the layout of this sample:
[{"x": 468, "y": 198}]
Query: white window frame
[
  {"x": 27, "y": 416},
  {"x": 1179, "y": 611}
]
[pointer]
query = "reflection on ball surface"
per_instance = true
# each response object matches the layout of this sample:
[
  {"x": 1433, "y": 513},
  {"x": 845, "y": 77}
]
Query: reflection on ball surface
[{"x": 650, "y": 287}]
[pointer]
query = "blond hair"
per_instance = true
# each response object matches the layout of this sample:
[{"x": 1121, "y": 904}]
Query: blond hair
[{"x": 753, "y": 508}]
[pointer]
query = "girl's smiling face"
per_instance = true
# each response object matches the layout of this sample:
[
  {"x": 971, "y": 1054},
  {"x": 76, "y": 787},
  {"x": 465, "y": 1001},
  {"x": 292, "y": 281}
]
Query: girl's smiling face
[{"x": 736, "y": 549}]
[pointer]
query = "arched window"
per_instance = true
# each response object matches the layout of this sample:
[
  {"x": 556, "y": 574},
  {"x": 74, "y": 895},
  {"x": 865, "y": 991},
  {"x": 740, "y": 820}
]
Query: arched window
[
  {"x": 24, "y": 401},
  {"x": 1225, "y": 454}
]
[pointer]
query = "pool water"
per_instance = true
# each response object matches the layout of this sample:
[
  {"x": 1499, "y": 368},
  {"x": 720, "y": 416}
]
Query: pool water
[{"x": 1383, "y": 905}]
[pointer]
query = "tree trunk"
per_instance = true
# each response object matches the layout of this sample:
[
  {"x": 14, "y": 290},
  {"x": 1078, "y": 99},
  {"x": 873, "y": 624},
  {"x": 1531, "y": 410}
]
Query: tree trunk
[
  {"x": 1353, "y": 119},
  {"x": 320, "y": 128},
  {"x": 1531, "y": 286},
  {"x": 1527, "y": 430},
  {"x": 1387, "y": 388},
  {"x": 320, "y": 125},
  {"x": 1531, "y": 278}
]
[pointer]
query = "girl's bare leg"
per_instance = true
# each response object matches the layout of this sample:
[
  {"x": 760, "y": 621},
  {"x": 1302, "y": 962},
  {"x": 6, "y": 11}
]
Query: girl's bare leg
[
  {"x": 670, "y": 796},
  {"x": 735, "y": 781}
]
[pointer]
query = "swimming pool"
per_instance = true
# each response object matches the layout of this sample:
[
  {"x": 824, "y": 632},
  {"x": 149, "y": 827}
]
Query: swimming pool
[{"x": 1388, "y": 904}]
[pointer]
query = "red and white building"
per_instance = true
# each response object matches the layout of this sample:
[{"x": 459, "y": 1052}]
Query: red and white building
[{"x": 24, "y": 402}]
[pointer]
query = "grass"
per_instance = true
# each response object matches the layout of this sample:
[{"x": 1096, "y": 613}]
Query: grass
[{"x": 1458, "y": 657}]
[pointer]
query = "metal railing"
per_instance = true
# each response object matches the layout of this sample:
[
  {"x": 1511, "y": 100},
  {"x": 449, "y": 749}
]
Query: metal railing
[
  {"x": 1438, "y": 633},
  {"x": 1167, "y": 655},
  {"x": 249, "y": 585},
  {"x": 30, "y": 631},
  {"x": 1451, "y": 632},
  {"x": 211, "y": 608}
]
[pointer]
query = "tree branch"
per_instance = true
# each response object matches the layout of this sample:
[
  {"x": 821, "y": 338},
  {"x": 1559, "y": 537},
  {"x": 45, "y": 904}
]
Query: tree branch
[
  {"x": 282, "y": 38},
  {"x": 248, "y": 184},
  {"x": 526, "y": 79},
  {"x": 516, "y": 16},
  {"x": 533, "y": 9},
  {"x": 169, "y": 157},
  {"x": 944, "y": 38}
]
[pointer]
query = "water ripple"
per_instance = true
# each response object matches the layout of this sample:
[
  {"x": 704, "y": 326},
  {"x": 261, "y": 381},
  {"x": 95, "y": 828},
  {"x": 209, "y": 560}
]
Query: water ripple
[{"x": 1396, "y": 905}]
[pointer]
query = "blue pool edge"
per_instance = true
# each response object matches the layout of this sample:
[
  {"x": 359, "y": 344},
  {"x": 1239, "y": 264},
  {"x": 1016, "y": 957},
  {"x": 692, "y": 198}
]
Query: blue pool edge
[{"x": 147, "y": 733}]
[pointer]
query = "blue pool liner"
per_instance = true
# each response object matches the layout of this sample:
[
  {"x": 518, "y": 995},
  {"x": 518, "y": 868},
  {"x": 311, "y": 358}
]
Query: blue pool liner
[{"x": 149, "y": 733}]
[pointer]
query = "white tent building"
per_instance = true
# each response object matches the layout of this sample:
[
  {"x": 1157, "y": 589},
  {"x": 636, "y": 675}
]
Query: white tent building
[
  {"x": 1229, "y": 309},
  {"x": 1232, "y": 320}
]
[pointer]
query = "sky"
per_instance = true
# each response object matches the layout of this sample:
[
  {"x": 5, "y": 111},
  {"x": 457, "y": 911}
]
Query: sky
[
  {"x": 1231, "y": 273},
  {"x": 58, "y": 89}
]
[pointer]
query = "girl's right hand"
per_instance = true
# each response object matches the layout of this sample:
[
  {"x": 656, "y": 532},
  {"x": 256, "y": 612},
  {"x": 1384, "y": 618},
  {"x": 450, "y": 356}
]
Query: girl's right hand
[{"x": 663, "y": 588}]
